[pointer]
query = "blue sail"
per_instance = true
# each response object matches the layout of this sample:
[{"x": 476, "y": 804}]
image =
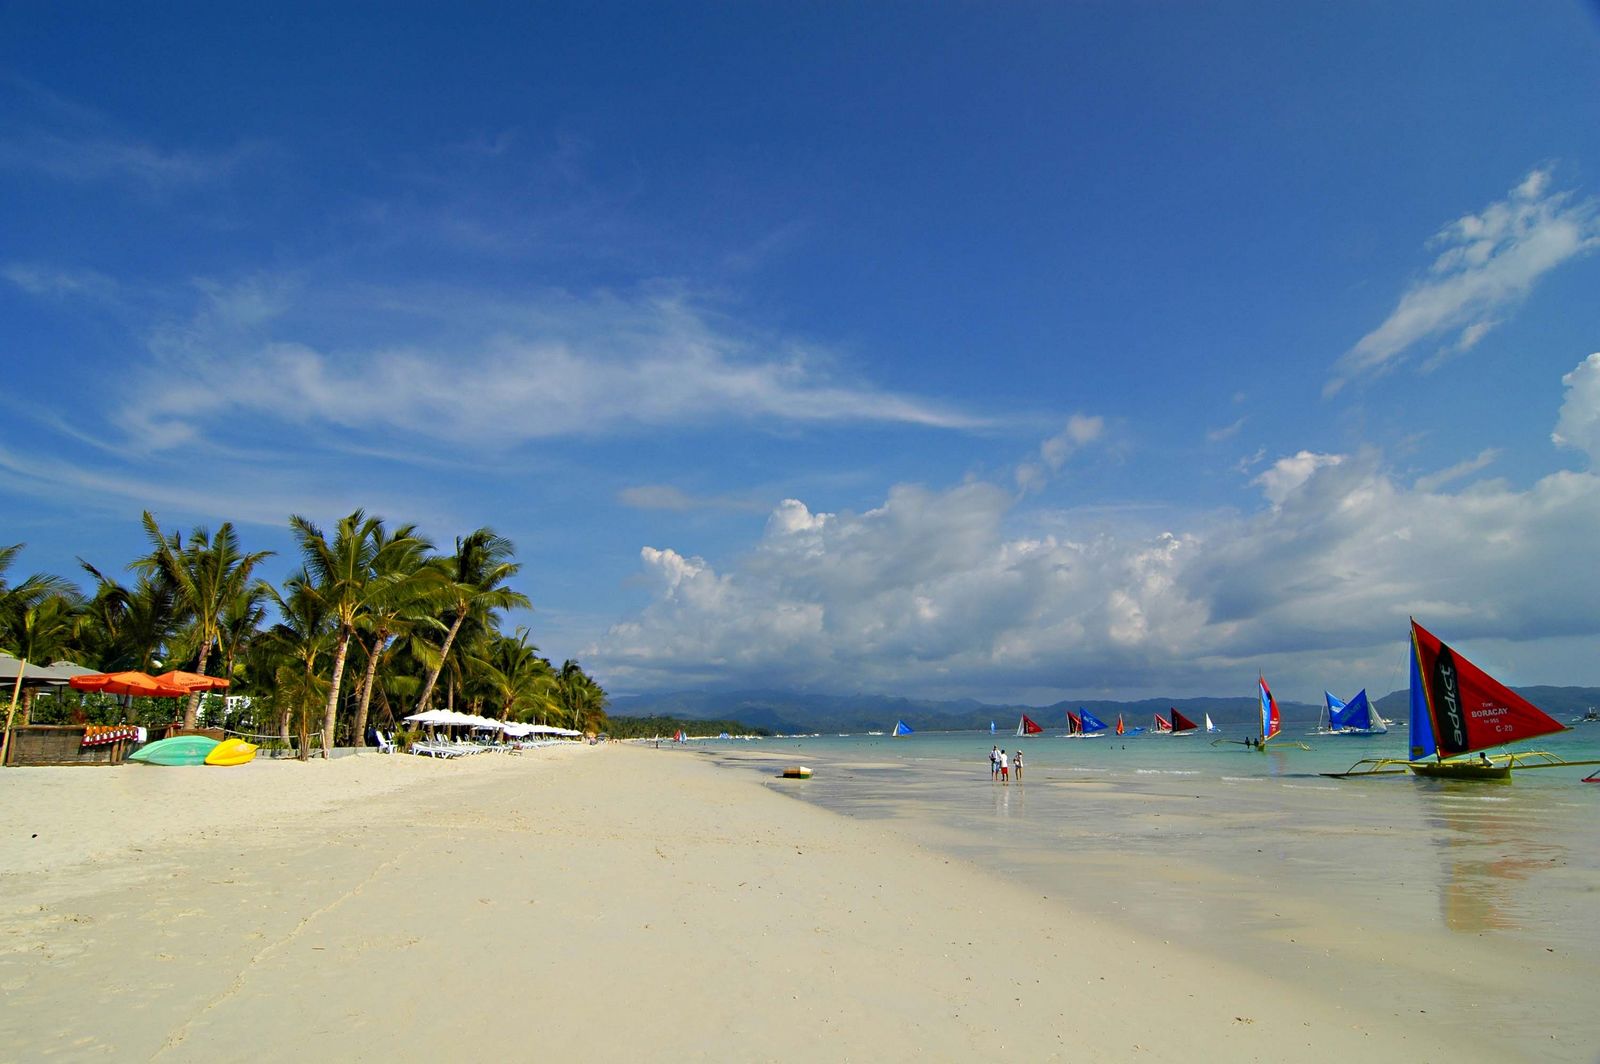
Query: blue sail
[
  {"x": 991, "y": 727},
  {"x": 901, "y": 728},
  {"x": 1423, "y": 743},
  {"x": 1351, "y": 714},
  {"x": 1132, "y": 731},
  {"x": 1091, "y": 723}
]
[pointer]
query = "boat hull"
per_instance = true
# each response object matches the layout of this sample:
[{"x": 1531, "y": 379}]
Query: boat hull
[
  {"x": 179, "y": 750},
  {"x": 797, "y": 772},
  {"x": 231, "y": 752},
  {"x": 1461, "y": 770}
]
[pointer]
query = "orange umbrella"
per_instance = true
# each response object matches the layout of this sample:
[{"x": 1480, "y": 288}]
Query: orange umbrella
[
  {"x": 192, "y": 681},
  {"x": 126, "y": 683}
]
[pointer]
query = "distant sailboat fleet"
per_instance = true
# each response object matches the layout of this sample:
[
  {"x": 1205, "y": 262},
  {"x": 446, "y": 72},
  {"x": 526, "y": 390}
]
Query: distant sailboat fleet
[{"x": 1456, "y": 711}]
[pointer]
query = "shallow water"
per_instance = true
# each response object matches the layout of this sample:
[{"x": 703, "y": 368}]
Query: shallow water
[{"x": 1470, "y": 907}]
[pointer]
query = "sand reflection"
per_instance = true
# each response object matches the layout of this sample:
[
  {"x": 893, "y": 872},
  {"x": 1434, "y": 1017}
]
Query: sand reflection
[{"x": 1490, "y": 847}]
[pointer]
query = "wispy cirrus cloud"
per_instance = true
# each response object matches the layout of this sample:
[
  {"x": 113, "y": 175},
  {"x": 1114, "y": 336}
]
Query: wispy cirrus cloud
[
  {"x": 669, "y": 498},
  {"x": 490, "y": 370},
  {"x": 44, "y": 133},
  {"x": 1488, "y": 261}
]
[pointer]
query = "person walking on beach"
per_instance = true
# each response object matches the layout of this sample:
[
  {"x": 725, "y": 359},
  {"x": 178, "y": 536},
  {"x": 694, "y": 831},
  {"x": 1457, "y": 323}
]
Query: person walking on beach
[
  {"x": 1016, "y": 764},
  {"x": 1005, "y": 768}
]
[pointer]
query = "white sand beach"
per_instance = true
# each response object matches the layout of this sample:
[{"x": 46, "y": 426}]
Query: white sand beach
[{"x": 592, "y": 903}]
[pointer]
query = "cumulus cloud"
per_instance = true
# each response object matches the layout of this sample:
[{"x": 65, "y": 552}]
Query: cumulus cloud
[
  {"x": 937, "y": 592},
  {"x": 1578, "y": 425},
  {"x": 1487, "y": 262}
]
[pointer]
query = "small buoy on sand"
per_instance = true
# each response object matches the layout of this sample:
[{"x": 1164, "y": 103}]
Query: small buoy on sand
[{"x": 797, "y": 772}]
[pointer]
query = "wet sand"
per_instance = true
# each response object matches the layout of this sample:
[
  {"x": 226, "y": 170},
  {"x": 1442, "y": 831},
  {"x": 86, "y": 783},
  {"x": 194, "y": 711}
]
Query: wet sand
[{"x": 586, "y": 903}]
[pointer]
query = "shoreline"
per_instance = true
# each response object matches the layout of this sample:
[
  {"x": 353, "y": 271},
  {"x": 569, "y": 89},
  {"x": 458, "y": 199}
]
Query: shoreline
[{"x": 595, "y": 903}]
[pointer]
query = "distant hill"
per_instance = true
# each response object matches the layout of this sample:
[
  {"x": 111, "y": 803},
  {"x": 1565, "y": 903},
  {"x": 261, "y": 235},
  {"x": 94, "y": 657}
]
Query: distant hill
[{"x": 790, "y": 712}]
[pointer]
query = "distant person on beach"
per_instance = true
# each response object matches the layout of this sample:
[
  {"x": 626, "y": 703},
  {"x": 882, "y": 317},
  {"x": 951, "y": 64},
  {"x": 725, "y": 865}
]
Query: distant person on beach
[
  {"x": 994, "y": 763},
  {"x": 1005, "y": 768},
  {"x": 1016, "y": 764}
]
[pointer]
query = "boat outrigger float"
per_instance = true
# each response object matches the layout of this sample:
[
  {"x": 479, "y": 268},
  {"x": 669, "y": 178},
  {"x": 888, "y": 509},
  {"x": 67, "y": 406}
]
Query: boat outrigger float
[{"x": 1457, "y": 710}]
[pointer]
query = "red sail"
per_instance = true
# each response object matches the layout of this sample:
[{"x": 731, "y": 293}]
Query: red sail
[
  {"x": 1119, "y": 723},
  {"x": 1471, "y": 710},
  {"x": 1162, "y": 723},
  {"x": 1181, "y": 723},
  {"x": 1029, "y": 727},
  {"x": 1074, "y": 723}
]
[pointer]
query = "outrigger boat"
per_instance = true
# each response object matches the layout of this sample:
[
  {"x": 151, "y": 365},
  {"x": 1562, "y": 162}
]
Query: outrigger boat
[
  {"x": 1182, "y": 725},
  {"x": 1271, "y": 723},
  {"x": 1027, "y": 728},
  {"x": 1084, "y": 725},
  {"x": 1458, "y": 710},
  {"x": 1355, "y": 717}
]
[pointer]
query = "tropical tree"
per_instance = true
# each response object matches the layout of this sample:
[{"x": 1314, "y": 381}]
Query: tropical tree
[
  {"x": 476, "y": 588},
  {"x": 522, "y": 682},
  {"x": 295, "y": 647},
  {"x": 580, "y": 698},
  {"x": 127, "y": 627},
  {"x": 205, "y": 573},
  {"x": 343, "y": 572},
  {"x": 402, "y": 597}
]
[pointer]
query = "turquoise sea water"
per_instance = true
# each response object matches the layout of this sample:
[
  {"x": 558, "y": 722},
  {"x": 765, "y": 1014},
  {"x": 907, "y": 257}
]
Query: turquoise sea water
[{"x": 1457, "y": 905}]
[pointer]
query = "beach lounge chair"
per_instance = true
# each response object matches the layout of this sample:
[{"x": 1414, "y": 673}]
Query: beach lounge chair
[{"x": 384, "y": 745}]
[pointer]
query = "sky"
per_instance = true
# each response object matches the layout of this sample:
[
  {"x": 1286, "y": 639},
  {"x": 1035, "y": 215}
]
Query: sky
[{"x": 1017, "y": 352}]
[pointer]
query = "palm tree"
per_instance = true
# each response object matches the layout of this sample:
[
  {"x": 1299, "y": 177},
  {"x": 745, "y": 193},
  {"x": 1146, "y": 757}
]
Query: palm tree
[
  {"x": 205, "y": 574},
  {"x": 38, "y": 617},
  {"x": 476, "y": 577},
  {"x": 343, "y": 572},
  {"x": 521, "y": 681},
  {"x": 583, "y": 700},
  {"x": 296, "y": 644},
  {"x": 403, "y": 595},
  {"x": 42, "y": 632},
  {"x": 126, "y": 628}
]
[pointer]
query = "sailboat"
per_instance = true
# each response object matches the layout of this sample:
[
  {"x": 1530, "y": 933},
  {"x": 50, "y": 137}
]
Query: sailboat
[
  {"x": 1163, "y": 725},
  {"x": 679, "y": 737},
  {"x": 1124, "y": 730},
  {"x": 1026, "y": 728},
  {"x": 1210, "y": 727},
  {"x": 1084, "y": 725},
  {"x": 1271, "y": 722},
  {"x": 1458, "y": 710},
  {"x": 991, "y": 727},
  {"x": 1355, "y": 717},
  {"x": 1182, "y": 725},
  {"x": 901, "y": 728}
]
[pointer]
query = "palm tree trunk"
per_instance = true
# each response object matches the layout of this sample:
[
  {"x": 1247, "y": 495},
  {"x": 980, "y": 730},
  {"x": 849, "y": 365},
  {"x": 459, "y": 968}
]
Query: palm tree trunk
[
  {"x": 192, "y": 711},
  {"x": 366, "y": 687},
  {"x": 330, "y": 712},
  {"x": 444, "y": 652}
]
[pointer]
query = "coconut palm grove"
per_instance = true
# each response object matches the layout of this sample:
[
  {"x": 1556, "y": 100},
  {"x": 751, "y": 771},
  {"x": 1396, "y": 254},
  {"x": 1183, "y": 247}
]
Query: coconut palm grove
[{"x": 373, "y": 622}]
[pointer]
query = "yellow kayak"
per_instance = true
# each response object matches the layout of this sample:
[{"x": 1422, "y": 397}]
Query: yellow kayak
[{"x": 231, "y": 752}]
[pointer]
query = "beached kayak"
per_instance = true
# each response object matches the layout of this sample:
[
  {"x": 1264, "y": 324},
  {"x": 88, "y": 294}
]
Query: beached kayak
[
  {"x": 231, "y": 752},
  {"x": 179, "y": 750}
]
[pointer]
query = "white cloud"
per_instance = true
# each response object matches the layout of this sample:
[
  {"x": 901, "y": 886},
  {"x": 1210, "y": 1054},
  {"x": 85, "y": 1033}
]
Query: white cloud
[
  {"x": 1054, "y": 453},
  {"x": 1435, "y": 481},
  {"x": 1226, "y": 432},
  {"x": 1286, "y": 475},
  {"x": 668, "y": 497},
  {"x": 463, "y": 368},
  {"x": 1578, "y": 425},
  {"x": 1489, "y": 261},
  {"x": 934, "y": 592}
]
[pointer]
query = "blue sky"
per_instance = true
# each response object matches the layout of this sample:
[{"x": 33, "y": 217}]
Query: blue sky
[{"x": 1008, "y": 351}]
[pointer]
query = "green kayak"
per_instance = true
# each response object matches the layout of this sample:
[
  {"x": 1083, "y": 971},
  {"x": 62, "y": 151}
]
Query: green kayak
[{"x": 179, "y": 750}]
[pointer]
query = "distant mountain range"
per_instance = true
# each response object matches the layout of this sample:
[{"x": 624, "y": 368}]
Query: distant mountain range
[{"x": 786, "y": 712}]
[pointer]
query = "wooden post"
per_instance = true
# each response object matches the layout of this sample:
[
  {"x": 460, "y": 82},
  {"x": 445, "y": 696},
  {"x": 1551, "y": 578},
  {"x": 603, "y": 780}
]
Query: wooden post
[{"x": 16, "y": 692}]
